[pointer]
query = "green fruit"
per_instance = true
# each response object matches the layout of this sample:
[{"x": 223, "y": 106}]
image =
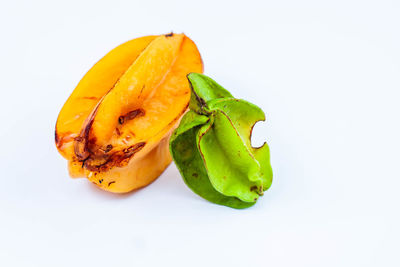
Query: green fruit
[{"x": 212, "y": 147}]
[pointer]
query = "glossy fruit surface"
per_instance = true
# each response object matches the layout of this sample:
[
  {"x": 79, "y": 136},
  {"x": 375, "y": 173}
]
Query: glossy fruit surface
[
  {"x": 212, "y": 147},
  {"x": 115, "y": 127}
]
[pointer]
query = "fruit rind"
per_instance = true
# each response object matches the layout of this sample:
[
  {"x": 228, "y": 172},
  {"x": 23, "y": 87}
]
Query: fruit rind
[
  {"x": 115, "y": 127},
  {"x": 212, "y": 146}
]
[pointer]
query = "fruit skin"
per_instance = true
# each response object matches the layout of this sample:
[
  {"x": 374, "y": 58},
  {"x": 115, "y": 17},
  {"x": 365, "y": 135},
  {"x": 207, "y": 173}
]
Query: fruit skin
[
  {"x": 114, "y": 129},
  {"x": 212, "y": 148}
]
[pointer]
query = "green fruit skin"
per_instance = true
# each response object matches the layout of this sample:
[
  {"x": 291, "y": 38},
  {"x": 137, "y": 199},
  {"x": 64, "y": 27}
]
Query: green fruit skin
[{"x": 212, "y": 146}]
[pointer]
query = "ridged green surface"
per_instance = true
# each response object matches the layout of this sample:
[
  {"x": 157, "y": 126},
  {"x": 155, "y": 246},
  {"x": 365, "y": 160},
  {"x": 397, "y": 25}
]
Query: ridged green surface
[{"x": 212, "y": 147}]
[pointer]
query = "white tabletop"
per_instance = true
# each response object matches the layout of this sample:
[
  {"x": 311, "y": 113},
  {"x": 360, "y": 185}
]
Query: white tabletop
[{"x": 326, "y": 74}]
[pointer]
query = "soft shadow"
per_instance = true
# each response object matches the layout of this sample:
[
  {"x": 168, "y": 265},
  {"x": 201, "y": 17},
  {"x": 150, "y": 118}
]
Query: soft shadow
[{"x": 106, "y": 194}]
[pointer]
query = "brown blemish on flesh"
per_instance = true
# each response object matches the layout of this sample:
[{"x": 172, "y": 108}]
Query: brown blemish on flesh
[
  {"x": 95, "y": 168},
  {"x": 169, "y": 34},
  {"x": 253, "y": 188},
  {"x": 195, "y": 175},
  {"x": 110, "y": 183},
  {"x": 108, "y": 148},
  {"x": 258, "y": 190},
  {"x": 118, "y": 159},
  {"x": 133, "y": 149},
  {"x": 131, "y": 115},
  {"x": 81, "y": 142}
]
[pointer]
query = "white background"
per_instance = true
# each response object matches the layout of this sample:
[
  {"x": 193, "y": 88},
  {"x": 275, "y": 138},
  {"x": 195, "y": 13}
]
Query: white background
[{"x": 327, "y": 74}]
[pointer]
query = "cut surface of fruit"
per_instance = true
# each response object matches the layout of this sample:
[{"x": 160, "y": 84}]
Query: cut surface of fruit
[
  {"x": 115, "y": 126},
  {"x": 93, "y": 86}
]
